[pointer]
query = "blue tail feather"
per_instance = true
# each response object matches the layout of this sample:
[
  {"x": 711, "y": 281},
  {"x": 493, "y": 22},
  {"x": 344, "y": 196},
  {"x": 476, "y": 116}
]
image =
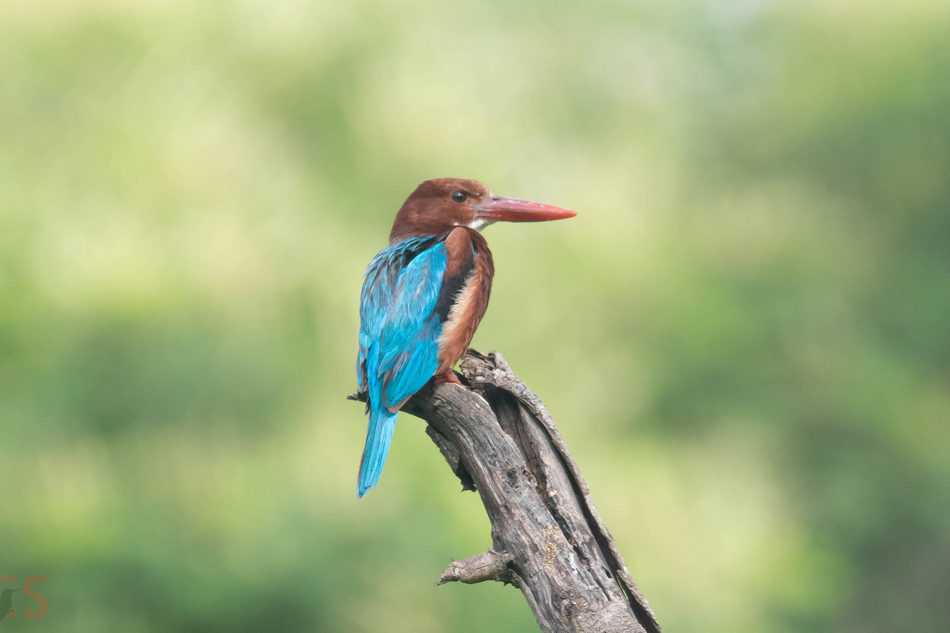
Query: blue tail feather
[{"x": 379, "y": 435}]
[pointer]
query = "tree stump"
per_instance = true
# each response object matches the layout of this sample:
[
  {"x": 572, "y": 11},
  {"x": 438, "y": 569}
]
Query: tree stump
[{"x": 547, "y": 538}]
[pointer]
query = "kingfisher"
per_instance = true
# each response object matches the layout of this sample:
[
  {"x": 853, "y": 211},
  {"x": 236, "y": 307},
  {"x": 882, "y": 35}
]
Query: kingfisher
[{"x": 423, "y": 297}]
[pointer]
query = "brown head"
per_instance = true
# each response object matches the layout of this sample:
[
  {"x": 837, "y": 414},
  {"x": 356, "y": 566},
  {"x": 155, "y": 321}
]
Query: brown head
[{"x": 437, "y": 206}]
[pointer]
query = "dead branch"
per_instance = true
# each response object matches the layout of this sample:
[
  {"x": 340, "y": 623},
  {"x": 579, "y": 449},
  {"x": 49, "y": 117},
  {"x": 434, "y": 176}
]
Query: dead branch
[{"x": 548, "y": 539}]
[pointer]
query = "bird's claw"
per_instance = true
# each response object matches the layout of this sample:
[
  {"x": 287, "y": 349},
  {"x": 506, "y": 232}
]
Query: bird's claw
[{"x": 448, "y": 376}]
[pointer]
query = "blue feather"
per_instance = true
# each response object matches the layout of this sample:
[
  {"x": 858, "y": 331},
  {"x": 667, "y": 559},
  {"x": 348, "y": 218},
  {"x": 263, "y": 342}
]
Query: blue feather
[
  {"x": 380, "y": 434},
  {"x": 399, "y": 330}
]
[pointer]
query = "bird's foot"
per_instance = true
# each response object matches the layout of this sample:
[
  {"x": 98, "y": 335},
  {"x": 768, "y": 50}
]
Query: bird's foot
[{"x": 448, "y": 376}]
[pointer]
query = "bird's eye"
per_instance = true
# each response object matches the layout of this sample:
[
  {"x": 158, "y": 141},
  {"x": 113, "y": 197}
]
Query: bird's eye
[{"x": 459, "y": 196}]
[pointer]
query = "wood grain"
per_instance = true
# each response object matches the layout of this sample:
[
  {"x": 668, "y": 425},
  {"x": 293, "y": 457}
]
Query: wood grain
[{"x": 547, "y": 538}]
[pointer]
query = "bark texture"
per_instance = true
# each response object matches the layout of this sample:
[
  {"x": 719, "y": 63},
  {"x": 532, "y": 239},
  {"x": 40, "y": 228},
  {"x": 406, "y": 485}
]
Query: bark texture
[{"x": 548, "y": 539}]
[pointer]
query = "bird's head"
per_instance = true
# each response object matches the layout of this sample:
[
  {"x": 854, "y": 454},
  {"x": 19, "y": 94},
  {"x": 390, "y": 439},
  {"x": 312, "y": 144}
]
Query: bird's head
[
  {"x": 437, "y": 206},
  {"x": 6, "y": 593}
]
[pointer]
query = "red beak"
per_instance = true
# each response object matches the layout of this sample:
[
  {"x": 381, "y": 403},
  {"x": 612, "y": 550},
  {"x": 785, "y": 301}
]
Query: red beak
[{"x": 515, "y": 210}]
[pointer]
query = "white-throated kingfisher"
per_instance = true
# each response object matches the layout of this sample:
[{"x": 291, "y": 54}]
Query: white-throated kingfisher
[{"x": 423, "y": 297}]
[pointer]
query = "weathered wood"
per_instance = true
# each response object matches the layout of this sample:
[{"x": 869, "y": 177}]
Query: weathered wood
[{"x": 548, "y": 539}]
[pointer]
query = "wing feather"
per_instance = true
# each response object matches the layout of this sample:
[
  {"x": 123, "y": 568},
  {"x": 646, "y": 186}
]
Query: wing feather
[{"x": 398, "y": 323}]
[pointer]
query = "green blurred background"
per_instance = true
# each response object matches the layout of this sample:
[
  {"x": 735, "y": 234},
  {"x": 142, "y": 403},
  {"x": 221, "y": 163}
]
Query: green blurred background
[{"x": 744, "y": 335}]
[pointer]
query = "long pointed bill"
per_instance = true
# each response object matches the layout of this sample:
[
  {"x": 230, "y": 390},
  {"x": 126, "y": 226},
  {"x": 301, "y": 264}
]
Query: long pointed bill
[{"x": 515, "y": 210}]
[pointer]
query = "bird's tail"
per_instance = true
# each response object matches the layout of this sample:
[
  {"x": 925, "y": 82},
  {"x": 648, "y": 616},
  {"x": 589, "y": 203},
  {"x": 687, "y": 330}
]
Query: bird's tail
[{"x": 382, "y": 423}]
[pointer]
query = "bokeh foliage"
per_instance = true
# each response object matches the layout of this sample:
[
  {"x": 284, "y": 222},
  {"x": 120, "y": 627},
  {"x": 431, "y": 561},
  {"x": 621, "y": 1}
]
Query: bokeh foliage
[{"x": 744, "y": 335}]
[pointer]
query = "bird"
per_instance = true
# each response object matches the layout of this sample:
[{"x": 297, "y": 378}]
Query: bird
[
  {"x": 6, "y": 602},
  {"x": 423, "y": 296}
]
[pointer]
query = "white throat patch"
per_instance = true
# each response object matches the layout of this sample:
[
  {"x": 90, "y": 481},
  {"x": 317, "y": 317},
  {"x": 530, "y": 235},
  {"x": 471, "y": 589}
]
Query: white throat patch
[{"x": 479, "y": 223}]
